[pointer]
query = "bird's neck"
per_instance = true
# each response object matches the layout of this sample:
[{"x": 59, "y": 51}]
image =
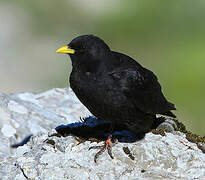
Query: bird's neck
[{"x": 94, "y": 65}]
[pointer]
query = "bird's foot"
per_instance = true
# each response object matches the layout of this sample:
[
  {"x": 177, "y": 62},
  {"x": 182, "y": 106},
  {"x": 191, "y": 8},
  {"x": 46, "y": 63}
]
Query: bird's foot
[{"x": 107, "y": 145}]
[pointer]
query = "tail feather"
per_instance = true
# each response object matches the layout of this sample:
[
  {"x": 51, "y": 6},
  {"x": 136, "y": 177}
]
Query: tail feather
[
  {"x": 171, "y": 106},
  {"x": 169, "y": 113}
]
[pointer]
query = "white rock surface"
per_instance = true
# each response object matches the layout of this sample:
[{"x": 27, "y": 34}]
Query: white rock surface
[{"x": 155, "y": 157}]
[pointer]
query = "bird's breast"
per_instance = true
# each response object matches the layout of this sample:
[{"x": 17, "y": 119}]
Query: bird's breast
[{"x": 98, "y": 93}]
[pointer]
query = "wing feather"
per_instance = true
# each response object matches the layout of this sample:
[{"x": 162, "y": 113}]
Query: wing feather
[{"x": 143, "y": 89}]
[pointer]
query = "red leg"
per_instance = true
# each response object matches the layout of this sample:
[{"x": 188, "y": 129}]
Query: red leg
[{"x": 107, "y": 145}]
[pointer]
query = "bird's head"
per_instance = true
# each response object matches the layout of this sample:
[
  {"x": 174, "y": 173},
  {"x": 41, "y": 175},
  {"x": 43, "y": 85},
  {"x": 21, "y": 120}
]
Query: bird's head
[{"x": 85, "y": 48}]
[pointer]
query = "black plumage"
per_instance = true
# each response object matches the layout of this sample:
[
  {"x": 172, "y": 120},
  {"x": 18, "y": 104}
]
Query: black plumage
[{"x": 113, "y": 86}]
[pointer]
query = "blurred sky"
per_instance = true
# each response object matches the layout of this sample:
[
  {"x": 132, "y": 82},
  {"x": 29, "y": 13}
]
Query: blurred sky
[{"x": 167, "y": 37}]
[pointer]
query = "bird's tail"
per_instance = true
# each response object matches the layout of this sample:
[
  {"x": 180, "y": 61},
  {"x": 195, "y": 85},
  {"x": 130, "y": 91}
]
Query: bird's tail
[{"x": 169, "y": 113}]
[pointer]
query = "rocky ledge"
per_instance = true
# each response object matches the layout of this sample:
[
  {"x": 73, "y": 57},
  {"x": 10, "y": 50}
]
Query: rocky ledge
[{"x": 46, "y": 155}]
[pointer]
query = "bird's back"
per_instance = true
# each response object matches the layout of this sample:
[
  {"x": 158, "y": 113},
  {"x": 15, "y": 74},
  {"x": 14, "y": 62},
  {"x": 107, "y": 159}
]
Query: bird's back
[{"x": 142, "y": 86}]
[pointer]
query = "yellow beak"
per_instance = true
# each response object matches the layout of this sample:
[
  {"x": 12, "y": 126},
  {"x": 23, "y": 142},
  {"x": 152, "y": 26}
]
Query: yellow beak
[{"x": 65, "y": 50}]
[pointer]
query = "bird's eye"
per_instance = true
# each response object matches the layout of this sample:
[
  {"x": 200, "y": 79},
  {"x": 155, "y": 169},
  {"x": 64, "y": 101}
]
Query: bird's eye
[{"x": 80, "y": 49}]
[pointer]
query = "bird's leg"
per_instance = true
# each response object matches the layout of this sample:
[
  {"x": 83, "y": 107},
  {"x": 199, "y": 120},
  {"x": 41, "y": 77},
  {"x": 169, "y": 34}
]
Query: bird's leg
[{"x": 107, "y": 145}]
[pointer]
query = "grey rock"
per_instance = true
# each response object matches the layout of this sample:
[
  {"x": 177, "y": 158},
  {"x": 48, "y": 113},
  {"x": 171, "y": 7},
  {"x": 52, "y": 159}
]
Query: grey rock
[
  {"x": 155, "y": 157},
  {"x": 168, "y": 125}
]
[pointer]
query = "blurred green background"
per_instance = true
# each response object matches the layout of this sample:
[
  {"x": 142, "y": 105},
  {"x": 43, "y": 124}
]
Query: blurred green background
[{"x": 167, "y": 37}]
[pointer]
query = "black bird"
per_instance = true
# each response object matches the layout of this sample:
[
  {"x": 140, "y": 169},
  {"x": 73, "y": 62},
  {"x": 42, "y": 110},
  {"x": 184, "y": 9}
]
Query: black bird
[{"x": 113, "y": 86}]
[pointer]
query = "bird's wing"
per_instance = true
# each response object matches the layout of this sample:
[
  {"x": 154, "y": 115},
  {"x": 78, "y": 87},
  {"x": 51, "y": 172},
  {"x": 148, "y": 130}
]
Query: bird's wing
[{"x": 142, "y": 88}]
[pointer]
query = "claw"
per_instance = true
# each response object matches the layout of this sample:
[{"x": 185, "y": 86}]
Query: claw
[
  {"x": 109, "y": 150},
  {"x": 99, "y": 153},
  {"x": 96, "y": 147}
]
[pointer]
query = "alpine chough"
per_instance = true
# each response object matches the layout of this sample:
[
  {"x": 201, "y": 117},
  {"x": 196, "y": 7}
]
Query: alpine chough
[{"x": 113, "y": 86}]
